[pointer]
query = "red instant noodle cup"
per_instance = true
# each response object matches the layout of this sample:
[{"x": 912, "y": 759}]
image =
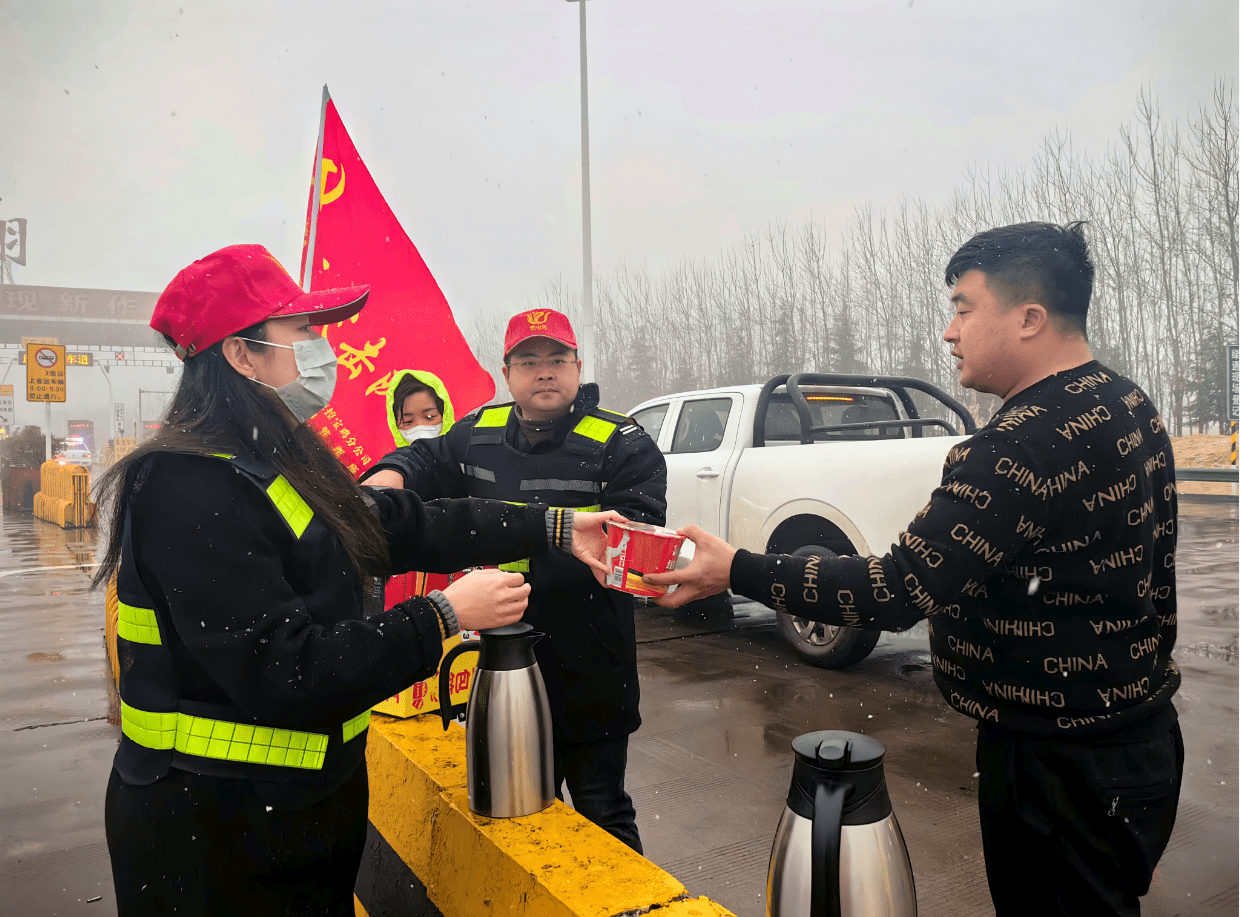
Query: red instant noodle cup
[{"x": 635, "y": 548}]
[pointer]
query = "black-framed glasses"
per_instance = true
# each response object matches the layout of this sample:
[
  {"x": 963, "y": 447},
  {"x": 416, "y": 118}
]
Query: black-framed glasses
[{"x": 529, "y": 366}]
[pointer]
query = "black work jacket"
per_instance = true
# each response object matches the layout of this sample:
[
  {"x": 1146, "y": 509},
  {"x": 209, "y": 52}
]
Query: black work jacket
[
  {"x": 589, "y": 658},
  {"x": 240, "y": 606}
]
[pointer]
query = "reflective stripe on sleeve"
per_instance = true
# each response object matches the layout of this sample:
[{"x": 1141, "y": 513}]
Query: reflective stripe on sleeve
[
  {"x": 291, "y": 506},
  {"x": 137, "y": 625}
]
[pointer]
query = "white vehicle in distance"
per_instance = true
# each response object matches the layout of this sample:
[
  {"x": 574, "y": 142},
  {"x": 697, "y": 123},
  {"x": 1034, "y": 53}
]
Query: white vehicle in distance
[
  {"x": 802, "y": 463},
  {"x": 75, "y": 452}
]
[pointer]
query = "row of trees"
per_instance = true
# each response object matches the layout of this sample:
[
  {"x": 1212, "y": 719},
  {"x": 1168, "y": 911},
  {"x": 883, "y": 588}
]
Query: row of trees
[{"x": 1161, "y": 204}]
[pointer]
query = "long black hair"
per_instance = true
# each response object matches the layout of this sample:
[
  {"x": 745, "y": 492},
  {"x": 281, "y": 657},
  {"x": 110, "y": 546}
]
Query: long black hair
[{"x": 217, "y": 410}]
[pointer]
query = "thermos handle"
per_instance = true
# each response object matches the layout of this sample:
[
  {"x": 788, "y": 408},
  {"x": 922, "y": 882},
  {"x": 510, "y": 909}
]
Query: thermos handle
[
  {"x": 446, "y": 710},
  {"x": 824, "y": 896}
]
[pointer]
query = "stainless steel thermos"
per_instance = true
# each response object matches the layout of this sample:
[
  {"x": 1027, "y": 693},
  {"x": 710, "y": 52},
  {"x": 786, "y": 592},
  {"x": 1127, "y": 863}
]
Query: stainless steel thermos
[
  {"x": 838, "y": 851},
  {"x": 508, "y": 752}
]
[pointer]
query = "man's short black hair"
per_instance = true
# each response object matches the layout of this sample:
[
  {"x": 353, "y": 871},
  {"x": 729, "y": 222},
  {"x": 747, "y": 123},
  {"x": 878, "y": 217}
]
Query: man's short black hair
[{"x": 1033, "y": 262}]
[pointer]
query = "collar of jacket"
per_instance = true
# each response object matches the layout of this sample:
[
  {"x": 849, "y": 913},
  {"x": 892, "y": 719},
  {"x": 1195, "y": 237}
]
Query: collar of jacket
[{"x": 586, "y": 400}]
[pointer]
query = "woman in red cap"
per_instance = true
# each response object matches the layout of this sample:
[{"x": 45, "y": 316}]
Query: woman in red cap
[{"x": 240, "y": 545}]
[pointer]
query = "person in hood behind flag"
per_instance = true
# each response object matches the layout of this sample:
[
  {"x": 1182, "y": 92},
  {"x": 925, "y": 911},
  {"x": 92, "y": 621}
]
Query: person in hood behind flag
[
  {"x": 554, "y": 444},
  {"x": 418, "y": 407},
  {"x": 247, "y": 671}
]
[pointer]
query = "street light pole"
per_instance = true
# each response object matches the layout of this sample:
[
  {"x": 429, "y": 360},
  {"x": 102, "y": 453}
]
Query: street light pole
[{"x": 587, "y": 265}]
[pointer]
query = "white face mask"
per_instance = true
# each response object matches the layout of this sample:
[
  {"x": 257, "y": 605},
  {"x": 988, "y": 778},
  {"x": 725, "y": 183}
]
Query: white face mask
[
  {"x": 310, "y": 392},
  {"x": 426, "y": 431}
]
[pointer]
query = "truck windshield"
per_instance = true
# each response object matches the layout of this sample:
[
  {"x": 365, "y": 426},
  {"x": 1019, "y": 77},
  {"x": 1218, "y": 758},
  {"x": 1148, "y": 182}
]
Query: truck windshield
[{"x": 783, "y": 424}]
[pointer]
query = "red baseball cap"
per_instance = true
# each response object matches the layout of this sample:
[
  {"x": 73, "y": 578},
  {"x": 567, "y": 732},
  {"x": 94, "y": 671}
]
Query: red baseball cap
[
  {"x": 538, "y": 323},
  {"x": 237, "y": 287}
]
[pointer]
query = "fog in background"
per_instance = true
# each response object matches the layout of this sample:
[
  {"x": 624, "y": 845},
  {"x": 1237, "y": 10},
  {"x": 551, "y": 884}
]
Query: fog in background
[{"x": 141, "y": 135}]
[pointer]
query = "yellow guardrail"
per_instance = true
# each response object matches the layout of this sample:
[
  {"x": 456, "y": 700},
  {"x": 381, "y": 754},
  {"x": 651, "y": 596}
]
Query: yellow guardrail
[
  {"x": 112, "y": 619},
  {"x": 117, "y": 449},
  {"x": 426, "y": 846},
  {"x": 64, "y": 496}
]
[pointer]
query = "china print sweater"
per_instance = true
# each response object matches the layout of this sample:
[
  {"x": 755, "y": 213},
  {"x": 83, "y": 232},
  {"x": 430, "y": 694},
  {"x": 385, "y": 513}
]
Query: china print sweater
[{"x": 1044, "y": 563}]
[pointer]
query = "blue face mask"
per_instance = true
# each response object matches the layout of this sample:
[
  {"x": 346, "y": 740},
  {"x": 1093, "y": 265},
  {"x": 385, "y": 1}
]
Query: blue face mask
[{"x": 311, "y": 391}]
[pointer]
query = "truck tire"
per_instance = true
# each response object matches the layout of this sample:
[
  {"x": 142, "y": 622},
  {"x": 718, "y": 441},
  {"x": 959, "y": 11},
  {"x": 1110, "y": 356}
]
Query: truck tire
[{"x": 825, "y": 645}]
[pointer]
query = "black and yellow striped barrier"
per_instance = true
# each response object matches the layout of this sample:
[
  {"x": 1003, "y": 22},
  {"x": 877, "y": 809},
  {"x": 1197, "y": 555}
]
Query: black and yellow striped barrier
[
  {"x": 64, "y": 496},
  {"x": 427, "y": 854}
]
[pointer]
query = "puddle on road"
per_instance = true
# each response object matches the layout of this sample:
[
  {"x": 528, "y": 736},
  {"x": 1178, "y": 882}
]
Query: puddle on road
[{"x": 45, "y": 657}]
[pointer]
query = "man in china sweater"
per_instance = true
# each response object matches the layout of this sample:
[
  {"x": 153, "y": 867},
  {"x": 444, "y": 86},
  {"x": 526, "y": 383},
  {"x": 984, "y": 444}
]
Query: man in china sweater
[{"x": 1045, "y": 565}]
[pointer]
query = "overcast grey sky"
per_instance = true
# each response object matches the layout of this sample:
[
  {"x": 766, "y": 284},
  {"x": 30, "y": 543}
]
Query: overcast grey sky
[{"x": 140, "y": 134}]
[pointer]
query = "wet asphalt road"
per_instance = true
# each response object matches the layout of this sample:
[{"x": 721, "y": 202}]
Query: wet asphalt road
[{"x": 722, "y": 700}]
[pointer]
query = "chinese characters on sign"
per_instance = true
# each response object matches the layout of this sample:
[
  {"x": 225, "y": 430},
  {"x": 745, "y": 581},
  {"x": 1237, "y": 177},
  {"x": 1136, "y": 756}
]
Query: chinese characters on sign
[
  {"x": 71, "y": 359},
  {"x": 45, "y": 372},
  {"x": 1233, "y": 382},
  {"x": 7, "y": 408},
  {"x": 63, "y": 304}
]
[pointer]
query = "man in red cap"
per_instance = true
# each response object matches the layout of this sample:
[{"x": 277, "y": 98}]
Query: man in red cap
[{"x": 553, "y": 444}]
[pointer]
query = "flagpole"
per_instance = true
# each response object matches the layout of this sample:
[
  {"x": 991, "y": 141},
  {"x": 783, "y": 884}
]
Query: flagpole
[{"x": 307, "y": 266}]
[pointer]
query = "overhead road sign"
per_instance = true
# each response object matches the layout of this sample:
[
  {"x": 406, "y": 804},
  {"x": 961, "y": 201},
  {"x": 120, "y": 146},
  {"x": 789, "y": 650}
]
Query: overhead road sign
[{"x": 45, "y": 372}]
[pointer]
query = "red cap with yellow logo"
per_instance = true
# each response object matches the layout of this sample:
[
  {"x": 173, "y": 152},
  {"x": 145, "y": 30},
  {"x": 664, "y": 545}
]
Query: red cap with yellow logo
[
  {"x": 237, "y": 287},
  {"x": 538, "y": 323}
]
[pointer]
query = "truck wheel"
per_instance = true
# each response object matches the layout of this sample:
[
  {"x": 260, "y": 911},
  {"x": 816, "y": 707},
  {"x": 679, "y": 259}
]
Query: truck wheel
[{"x": 825, "y": 645}]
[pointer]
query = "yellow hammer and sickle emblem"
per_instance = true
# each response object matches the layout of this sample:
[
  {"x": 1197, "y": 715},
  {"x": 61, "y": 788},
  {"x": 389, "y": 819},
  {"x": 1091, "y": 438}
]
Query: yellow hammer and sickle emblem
[
  {"x": 325, "y": 196},
  {"x": 538, "y": 318}
]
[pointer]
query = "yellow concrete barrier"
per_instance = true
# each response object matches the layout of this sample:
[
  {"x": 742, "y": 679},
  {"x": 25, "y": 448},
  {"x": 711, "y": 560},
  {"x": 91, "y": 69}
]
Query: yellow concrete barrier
[
  {"x": 64, "y": 496},
  {"x": 428, "y": 854},
  {"x": 112, "y": 617}
]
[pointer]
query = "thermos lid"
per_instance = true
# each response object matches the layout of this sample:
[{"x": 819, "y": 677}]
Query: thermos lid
[
  {"x": 508, "y": 630},
  {"x": 507, "y": 648},
  {"x": 840, "y": 759},
  {"x": 834, "y": 750}
]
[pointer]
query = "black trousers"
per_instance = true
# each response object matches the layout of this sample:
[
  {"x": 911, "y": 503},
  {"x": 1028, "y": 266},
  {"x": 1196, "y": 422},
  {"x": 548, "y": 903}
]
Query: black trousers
[
  {"x": 196, "y": 845},
  {"x": 1075, "y": 827},
  {"x": 594, "y": 773}
]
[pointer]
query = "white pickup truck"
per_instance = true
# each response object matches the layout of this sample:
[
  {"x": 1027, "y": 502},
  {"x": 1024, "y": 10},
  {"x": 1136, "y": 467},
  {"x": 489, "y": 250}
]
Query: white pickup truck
[{"x": 802, "y": 463}]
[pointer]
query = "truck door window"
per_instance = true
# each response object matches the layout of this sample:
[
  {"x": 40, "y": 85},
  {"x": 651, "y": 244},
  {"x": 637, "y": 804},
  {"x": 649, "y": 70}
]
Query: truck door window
[
  {"x": 701, "y": 425},
  {"x": 651, "y": 420},
  {"x": 783, "y": 424}
]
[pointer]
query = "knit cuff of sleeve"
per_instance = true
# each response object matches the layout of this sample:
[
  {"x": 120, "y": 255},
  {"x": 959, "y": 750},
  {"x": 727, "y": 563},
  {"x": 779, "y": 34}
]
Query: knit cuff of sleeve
[
  {"x": 447, "y": 614},
  {"x": 560, "y": 529},
  {"x": 746, "y": 573}
]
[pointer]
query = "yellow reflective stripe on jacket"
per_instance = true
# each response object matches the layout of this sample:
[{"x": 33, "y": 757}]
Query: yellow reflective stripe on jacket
[
  {"x": 523, "y": 565},
  {"x": 357, "y": 725},
  {"x": 224, "y": 741},
  {"x": 595, "y": 428},
  {"x": 137, "y": 625},
  {"x": 494, "y": 417},
  {"x": 291, "y": 506},
  {"x": 288, "y": 502}
]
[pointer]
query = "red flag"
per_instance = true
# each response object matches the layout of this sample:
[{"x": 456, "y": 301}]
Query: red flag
[{"x": 406, "y": 324}]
